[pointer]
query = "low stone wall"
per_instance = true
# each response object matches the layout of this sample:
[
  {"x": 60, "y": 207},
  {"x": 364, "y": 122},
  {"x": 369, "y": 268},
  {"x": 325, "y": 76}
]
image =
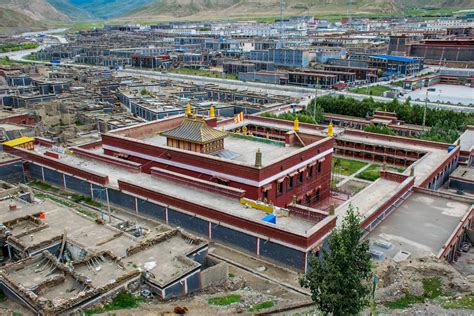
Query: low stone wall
[{"x": 215, "y": 275}]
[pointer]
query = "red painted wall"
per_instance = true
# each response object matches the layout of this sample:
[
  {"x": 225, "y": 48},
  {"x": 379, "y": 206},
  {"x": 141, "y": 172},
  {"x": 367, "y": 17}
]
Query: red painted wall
[{"x": 231, "y": 168}]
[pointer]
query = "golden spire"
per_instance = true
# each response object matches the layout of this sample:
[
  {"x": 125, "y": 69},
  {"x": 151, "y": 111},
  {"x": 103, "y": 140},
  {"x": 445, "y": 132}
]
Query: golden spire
[
  {"x": 296, "y": 124},
  {"x": 330, "y": 130},
  {"x": 188, "y": 109},
  {"x": 211, "y": 111}
]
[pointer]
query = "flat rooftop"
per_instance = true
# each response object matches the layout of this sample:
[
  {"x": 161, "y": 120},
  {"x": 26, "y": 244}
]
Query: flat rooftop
[
  {"x": 242, "y": 150},
  {"x": 5, "y": 157},
  {"x": 421, "y": 225},
  {"x": 466, "y": 141},
  {"x": 444, "y": 93},
  {"x": 170, "y": 263},
  {"x": 366, "y": 200},
  {"x": 11, "y": 127},
  {"x": 464, "y": 173},
  {"x": 187, "y": 193}
]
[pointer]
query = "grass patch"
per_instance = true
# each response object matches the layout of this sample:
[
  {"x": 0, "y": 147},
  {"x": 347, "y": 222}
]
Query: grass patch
[
  {"x": 124, "y": 300},
  {"x": 346, "y": 167},
  {"x": 5, "y": 48},
  {"x": 85, "y": 26},
  {"x": 85, "y": 199},
  {"x": 6, "y": 61},
  {"x": 231, "y": 275},
  {"x": 432, "y": 289},
  {"x": 377, "y": 90},
  {"x": 335, "y": 181},
  {"x": 398, "y": 83},
  {"x": 372, "y": 173},
  {"x": 3, "y": 297},
  {"x": 66, "y": 203},
  {"x": 43, "y": 186},
  {"x": 465, "y": 302},
  {"x": 260, "y": 306},
  {"x": 224, "y": 300},
  {"x": 406, "y": 301}
]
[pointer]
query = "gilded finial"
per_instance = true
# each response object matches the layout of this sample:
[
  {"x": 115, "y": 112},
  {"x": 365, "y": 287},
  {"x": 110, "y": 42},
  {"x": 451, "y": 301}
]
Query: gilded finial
[
  {"x": 330, "y": 130},
  {"x": 188, "y": 108},
  {"x": 211, "y": 111}
]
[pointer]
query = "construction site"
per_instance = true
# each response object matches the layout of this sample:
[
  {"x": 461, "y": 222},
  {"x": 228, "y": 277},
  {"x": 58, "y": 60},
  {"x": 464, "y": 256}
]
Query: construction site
[{"x": 64, "y": 261}]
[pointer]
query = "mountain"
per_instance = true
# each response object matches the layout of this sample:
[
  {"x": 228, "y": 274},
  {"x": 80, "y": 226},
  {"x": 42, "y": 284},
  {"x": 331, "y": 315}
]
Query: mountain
[
  {"x": 13, "y": 19},
  {"x": 30, "y": 12},
  {"x": 97, "y": 9},
  {"x": 35, "y": 10},
  {"x": 222, "y": 9}
]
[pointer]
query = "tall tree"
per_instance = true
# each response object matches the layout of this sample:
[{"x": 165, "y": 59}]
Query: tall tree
[{"x": 340, "y": 280}]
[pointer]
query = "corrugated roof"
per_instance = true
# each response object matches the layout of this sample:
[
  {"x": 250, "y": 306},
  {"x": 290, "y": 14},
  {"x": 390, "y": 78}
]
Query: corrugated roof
[
  {"x": 18, "y": 141},
  {"x": 195, "y": 131},
  {"x": 395, "y": 58}
]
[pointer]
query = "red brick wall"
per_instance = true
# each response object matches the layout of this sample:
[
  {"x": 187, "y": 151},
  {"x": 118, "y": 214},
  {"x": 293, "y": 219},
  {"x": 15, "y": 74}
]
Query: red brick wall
[
  {"x": 307, "y": 213},
  {"x": 21, "y": 119},
  {"x": 231, "y": 168},
  {"x": 393, "y": 176},
  {"x": 399, "y": 139}
]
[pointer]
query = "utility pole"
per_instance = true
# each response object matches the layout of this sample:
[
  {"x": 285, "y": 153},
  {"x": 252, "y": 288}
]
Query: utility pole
[
  {"x": 424, "y": 111},
  {"x": 349, "y": 12},
  {"x": 282, "y": 5},
  {"x": 315, "y": 100}
]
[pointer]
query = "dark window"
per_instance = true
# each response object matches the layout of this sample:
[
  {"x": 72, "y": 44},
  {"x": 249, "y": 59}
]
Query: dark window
[
  {"x": 289, "y": 183},
  {"x": 222, "y": 182},
  {"x": 279, "y": 190},
  {"x": 317, "y": 196},
  {"x": 319, "y": 167},
  {"x": 301, "y": 176},
  {"x": 265, "y": 195},
  {"x": 310, "y": 172}
]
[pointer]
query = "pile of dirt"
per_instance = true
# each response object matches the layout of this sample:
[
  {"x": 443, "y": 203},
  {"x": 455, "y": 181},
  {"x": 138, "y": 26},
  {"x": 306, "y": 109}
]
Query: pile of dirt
[{"x": 398, "y": 279}]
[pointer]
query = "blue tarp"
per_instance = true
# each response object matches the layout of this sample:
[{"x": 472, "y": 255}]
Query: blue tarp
[{"x": 270, "y": 218}]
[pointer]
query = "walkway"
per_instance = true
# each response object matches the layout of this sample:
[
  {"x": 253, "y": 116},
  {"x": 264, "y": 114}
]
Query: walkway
[{"x": 352, "y": 176}]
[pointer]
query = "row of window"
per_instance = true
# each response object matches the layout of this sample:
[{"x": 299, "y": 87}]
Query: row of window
[{"x": 290, "y": 180}]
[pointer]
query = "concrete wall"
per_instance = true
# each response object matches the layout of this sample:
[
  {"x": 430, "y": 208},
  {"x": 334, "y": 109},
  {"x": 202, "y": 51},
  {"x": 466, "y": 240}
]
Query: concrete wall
[
  {"x": 215, "y": 275},
  {"x": 12, "y": 172},
  {"x": 459, "y": 184}
]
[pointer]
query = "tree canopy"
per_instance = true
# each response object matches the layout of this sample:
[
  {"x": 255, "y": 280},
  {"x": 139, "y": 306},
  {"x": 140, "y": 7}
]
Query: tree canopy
[{"x": 340, "y": 280}]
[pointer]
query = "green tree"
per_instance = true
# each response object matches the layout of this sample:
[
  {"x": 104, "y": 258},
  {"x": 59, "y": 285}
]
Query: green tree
[
  {"x": 316, "y": 111},
  {"x": 379, "y": 129},
  {"x": 340, "y": 280}
]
